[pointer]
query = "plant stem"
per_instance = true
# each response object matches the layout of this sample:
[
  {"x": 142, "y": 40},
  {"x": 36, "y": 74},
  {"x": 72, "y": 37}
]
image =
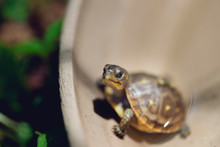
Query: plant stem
[{"x": 8, "y": 122}]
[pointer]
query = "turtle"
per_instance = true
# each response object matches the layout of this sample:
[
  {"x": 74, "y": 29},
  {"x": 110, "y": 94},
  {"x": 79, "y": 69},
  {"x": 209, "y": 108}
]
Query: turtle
[{"x": 144, "y": 101}]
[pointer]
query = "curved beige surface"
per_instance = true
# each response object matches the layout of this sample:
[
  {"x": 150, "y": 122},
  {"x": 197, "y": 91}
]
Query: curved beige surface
[{"x": 180, "y": 39}]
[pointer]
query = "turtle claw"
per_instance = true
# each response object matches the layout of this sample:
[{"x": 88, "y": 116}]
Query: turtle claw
[{"x": 118, "y": 132}]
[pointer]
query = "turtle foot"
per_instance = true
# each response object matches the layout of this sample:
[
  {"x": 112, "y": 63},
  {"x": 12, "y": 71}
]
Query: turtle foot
[{"x": 118, "y": 132}]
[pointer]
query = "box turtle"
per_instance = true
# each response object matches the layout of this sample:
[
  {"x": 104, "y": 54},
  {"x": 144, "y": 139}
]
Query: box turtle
[{"x": 146, "y": 102}]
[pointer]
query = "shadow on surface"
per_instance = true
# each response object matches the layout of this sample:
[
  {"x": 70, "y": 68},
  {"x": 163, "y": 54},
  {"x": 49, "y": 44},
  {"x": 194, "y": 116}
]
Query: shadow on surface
[{"x": 103, "y": 109}]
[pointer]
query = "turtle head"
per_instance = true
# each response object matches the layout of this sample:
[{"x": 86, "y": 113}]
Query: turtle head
[{"x": 115, "y": 76}]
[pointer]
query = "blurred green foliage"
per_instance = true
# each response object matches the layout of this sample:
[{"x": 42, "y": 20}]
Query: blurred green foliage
[
  {"x": 20, "y": 133},
  {"x": 10, "y": 71},
  {"x": 22, "y": 111},
  {"x": 13, "y": 72},
  {"x": 41, "y": 47},
  {"x": 52, "y": 34},
  {"x": 15, "y": 9}
]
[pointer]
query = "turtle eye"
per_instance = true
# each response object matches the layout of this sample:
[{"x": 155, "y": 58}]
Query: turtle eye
[{"x": 119, "y": 75}]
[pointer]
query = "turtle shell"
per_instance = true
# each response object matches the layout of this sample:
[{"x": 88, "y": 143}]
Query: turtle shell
[{"x": 157, "y": 105}]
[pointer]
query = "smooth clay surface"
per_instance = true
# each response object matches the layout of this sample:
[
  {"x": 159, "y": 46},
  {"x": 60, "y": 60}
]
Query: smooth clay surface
[{"x": 179, "y": 39}]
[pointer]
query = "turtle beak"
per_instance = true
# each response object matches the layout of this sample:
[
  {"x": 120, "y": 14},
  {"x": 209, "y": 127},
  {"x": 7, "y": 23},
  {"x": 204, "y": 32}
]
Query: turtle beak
[{"x": 106, "y": 78}]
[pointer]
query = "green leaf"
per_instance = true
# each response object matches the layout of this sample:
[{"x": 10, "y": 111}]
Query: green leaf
[
  {"x": 32, "y": 47},
  {"x": 15, "y": 9},
  {"x": 52, "y": 34},
  {"x": 41, "y": 140}
]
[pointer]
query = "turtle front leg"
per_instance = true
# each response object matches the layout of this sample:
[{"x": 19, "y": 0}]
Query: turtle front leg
[{"x": 121, "y": 129}]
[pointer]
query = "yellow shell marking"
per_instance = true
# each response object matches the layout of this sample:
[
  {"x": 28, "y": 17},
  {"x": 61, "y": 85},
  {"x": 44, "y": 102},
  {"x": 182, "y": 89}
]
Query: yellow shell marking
[
  {"x": 167, "y": 107},
  {"x": 151, "y": 102}
]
